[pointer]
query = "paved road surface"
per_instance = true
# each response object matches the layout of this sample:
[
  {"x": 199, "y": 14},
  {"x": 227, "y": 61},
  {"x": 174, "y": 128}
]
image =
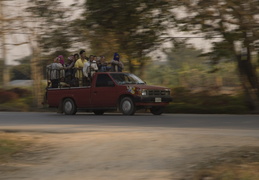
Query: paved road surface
[
  {"x": 42, "y": 120},
  {"x": 115, "y": 147}
]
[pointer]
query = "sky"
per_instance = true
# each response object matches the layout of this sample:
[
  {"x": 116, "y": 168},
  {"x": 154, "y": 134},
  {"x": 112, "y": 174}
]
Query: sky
[{"x": 18, "y": 52}]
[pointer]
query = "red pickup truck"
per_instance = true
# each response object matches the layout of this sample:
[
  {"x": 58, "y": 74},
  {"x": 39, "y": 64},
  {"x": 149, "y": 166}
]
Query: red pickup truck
[{"x": 110, "y": 91}]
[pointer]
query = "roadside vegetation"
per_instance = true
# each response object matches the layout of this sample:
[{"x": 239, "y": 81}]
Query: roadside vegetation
[
  {"x": 241, "y": 164},
  {"x": 184, "y": 101},
  {"x": 10, "y": 145},
  {"x": 15, "y": 99},
  {"x": 146, "y": 29},
  {"x": 203, "y": 102},
  {"x": 197, "y": 85}
]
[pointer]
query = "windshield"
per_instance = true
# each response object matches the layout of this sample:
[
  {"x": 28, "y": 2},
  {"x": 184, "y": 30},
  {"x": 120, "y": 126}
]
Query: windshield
[{"x": 126, "y": 78}]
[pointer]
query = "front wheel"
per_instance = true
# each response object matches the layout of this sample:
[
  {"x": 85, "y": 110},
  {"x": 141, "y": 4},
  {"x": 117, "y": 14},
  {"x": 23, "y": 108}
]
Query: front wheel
[
  {"x": 127, "y": 106},
  {"x": 157, "y": 110},
  {"x": 69, "y": 107}
]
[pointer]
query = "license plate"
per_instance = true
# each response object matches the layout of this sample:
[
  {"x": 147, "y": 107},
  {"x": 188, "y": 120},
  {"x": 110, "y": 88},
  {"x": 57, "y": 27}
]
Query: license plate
[{"x": 158, "y": 100}]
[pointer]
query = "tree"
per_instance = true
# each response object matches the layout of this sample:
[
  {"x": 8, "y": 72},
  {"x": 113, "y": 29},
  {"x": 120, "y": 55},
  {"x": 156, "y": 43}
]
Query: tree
[
  {"x": 6, "y": 28},
  {"x": 50, "y": 25},
  {"x": 133, "y": 28},
  {"x": 183, "y": 66},
  {"x": 235, "y": 21},
  {"x": 44, "y": 22},
  {"x": 182, "y": 53},
  {"x": 23, "y": 70}
]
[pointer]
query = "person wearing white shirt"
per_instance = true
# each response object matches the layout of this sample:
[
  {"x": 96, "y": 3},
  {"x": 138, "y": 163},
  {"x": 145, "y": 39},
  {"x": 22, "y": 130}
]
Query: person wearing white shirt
[
  {"x": 89, "y": 68},
  {"x": 55, "y": 72}
]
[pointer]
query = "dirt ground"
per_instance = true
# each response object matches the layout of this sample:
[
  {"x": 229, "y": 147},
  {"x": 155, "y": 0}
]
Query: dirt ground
[{"x": 161, "y": 154}]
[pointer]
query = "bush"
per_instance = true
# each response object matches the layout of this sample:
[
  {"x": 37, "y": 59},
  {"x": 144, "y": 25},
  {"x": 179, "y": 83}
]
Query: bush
[
  {"x": 6, "y": 96},
  {"x": 20, "y": 92},
  {"x": 16, "y": 99},
  {"x": 186, "y": 102},
  {"x": 18, "y": 105}
]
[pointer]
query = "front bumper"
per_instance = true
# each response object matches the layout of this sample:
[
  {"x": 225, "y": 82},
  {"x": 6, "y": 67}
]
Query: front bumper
[{"x": 151, "y": 99}]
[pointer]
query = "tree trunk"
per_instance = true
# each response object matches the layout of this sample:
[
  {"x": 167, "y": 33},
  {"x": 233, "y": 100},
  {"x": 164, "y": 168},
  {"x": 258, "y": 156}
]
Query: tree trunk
[
  {"x": 36, "y": 76},
  {"x": 4, "y": 69},
  {"x": 142, "y": 67},
  {"x": 249, "y": 81},
  {"x": 130, "y": 65}
]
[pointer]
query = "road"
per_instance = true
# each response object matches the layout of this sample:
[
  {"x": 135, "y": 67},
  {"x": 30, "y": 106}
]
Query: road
[{"x": 113, "y": 146}]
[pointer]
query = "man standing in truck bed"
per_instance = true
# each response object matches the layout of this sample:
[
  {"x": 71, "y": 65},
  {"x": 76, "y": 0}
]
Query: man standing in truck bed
[
  {"x": 55, "y": 72},
  {"x": 90, "y": 68},
  {"x": 79, "y": 66},
  {"x": 116, "y": 64}
]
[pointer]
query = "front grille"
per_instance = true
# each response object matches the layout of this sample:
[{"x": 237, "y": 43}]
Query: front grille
[{"x": 158, "y": 93}]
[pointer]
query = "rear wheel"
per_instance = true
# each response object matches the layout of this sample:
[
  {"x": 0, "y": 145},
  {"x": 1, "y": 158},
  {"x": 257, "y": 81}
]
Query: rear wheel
[
  {"x": 127, "y": 106},
  {"x": 69, "y": 107},
  {"x": 157, "y": 110},
  {"x": 98, "y": 112}
]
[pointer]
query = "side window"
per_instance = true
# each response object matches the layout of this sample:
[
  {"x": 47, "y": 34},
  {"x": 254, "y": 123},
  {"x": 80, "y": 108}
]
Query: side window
[{"x": 103, "y": 80}]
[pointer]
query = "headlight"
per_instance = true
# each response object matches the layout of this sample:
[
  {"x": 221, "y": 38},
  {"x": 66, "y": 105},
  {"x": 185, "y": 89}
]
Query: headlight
[
  {"x": 143, "y": 92},
  {"x": 168, "y": 92}
]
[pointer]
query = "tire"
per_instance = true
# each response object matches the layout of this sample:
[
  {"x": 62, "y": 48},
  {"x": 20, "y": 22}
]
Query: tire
[
  {"x": 127, "y": 106},
  {"x": 98, "y": 112},
  {"x": 157, "y": 110},
  {"x": 69, "y": 107}
]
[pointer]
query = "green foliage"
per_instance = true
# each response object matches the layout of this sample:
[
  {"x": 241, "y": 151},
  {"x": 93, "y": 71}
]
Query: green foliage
[
  {"x": 8, "y": 148},
  {"x": 133, "y": 28},
  {"x": 17, "y": 105},
  {"x": 1, "y": 70},
  {"x": 230, "y": 21},
  {"x": 10, "y": 145},
  {"x": 229, "y": 18},
  {"x": 15, "y": 99},
  {"x": 184, "y": 101},
  {"x": 187, "y": 68},
  {"x": 53, "y": 31},
  {"x": 23, "y": 70},
  {"x": 182, "y": 55},
  {"x": 240, "y": 164},
  {"x": 6, "y": 96},
  {"x": 22, "y": 93},
  {"x": 183, "y": 67}
]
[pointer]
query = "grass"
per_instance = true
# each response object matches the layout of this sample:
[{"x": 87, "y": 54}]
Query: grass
[
  {"x": 242, "y": 164},
  {"x": 185, "y": 101},
  {"x": 10, "y": 145}
]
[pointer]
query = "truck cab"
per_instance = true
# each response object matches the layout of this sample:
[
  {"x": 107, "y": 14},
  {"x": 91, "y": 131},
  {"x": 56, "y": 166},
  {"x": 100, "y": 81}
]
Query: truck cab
[{"x": 110, "y": 91}]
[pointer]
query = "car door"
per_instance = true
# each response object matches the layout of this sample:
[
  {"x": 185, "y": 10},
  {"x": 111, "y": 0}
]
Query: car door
[{"x": 104, "y": 92}]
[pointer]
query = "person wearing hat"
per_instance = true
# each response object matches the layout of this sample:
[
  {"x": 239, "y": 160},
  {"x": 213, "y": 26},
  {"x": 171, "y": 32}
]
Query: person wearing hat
[
  {"x": 116, "y": 64},
  {"x": 62, "y": 60}
]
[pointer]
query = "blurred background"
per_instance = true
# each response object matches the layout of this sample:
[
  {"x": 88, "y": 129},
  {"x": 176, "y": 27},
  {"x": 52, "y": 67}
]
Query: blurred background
[{"x": 206, "y": 51}]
